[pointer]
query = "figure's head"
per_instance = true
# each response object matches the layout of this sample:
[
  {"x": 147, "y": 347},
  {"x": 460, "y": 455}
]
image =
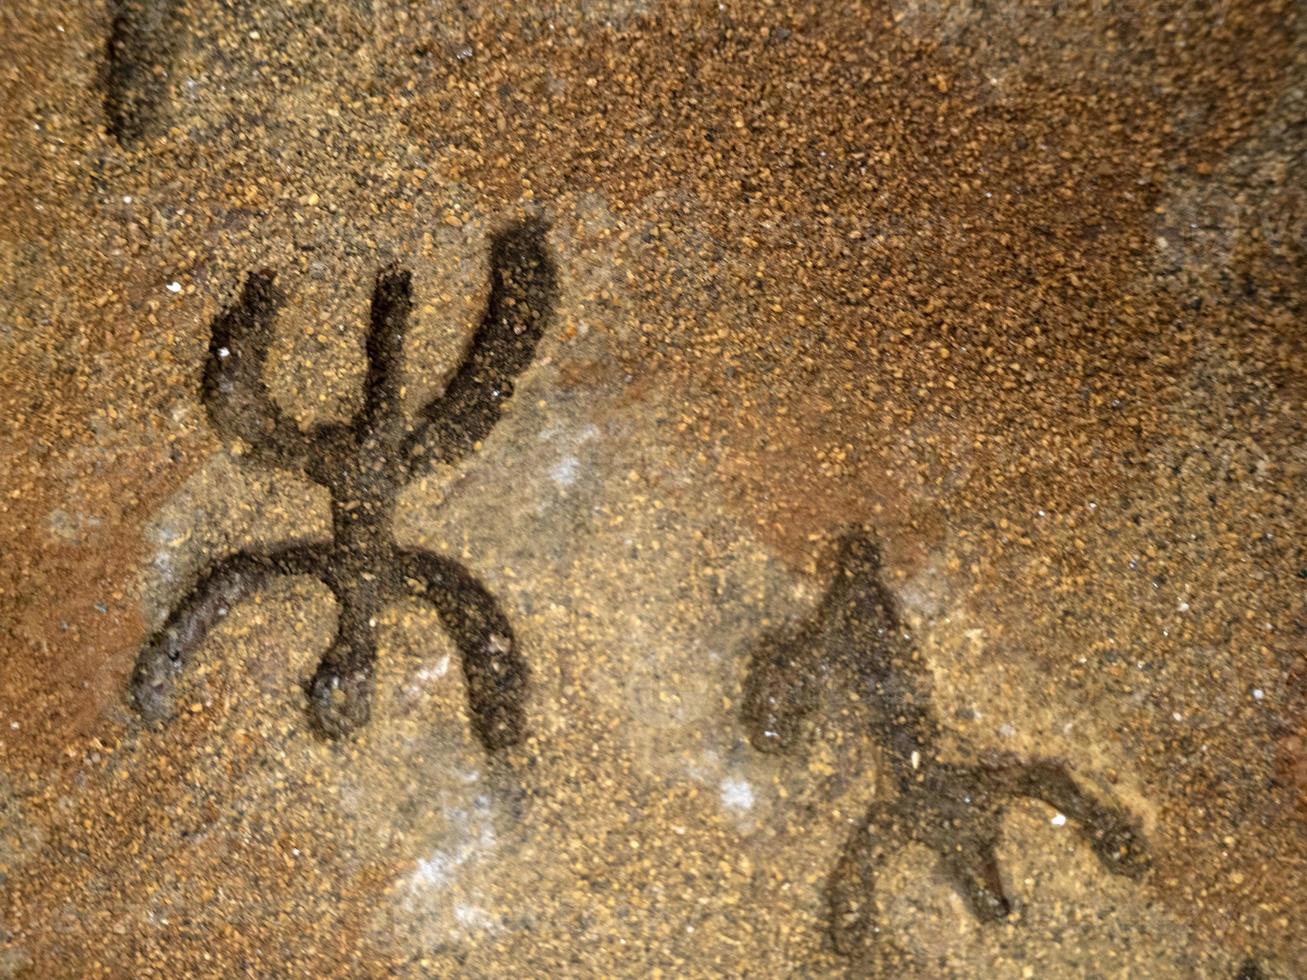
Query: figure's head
[{"x": 858, "y": 551}]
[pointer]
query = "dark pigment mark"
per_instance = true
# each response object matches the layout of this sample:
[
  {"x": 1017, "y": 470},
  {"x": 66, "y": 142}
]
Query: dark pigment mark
[
  {"x": 144, "y": 37},
  {"x": 363, "y": 465},
  {"x": 955, "y": 810}
]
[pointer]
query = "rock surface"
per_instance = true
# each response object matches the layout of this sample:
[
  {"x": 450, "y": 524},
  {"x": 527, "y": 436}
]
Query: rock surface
[{"x": 1019, "y": 294}]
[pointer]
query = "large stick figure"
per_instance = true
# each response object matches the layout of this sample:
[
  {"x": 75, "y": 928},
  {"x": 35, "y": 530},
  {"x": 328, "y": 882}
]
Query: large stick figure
[{"x": 364, "y": 464}]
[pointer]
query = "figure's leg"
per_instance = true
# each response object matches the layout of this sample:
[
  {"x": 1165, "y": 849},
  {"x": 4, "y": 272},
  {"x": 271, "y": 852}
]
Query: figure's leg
[
  {"x": 239, "y": 404},
  {"x": 522, "y": 295},
  {"x": 340, "y": 691},
  {"x": 1111, "y": 832},
  {"x": 225, "y": 583},
  {"x": 971, "y": 865},
  {"x": 958, "y": 814},
  {"x": 855, "y": 925},
  {"x": 495, "y": 673}
]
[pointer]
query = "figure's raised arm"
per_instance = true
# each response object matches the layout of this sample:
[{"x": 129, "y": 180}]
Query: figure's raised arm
[
  {"x": 523, "y": 290},
  {"x": 233, "y": 391},
  {"x": 392, "y": 301}
]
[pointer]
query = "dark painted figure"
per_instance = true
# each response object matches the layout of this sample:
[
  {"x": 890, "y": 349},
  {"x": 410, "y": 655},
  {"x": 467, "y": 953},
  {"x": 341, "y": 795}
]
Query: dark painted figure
[
  {"x": 144, "y": 39},
  {"x": 364, "y": 464},
  {"x": 855, "y": 636}
]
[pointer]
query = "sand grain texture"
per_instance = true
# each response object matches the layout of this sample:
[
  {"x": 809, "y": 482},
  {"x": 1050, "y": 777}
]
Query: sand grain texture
[{"x": 1021, "y": 292}]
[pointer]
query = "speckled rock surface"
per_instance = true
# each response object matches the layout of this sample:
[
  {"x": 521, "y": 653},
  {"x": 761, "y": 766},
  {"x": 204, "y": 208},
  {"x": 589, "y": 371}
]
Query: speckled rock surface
[{"x": 1016, "y": 290}]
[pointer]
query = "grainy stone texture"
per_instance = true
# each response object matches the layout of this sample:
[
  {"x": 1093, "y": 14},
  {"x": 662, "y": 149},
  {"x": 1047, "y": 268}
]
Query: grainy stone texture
[{"x": 1019, "y": 290}]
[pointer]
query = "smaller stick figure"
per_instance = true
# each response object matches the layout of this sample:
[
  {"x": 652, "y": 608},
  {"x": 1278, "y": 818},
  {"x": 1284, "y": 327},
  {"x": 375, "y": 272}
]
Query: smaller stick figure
[
  {"x": 363, "y": 464},
  {"x": 954, "y": 810}
]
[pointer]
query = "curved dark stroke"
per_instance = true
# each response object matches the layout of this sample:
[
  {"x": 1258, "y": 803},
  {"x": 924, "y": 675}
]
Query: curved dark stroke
[
  {"x": 954, "y": 810},
  {"x": 523, "y": 291},
  {"x": 223, "y": 584},
  {"x": 144, "y": 38},
  {"x": 363, "y": 465}
]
